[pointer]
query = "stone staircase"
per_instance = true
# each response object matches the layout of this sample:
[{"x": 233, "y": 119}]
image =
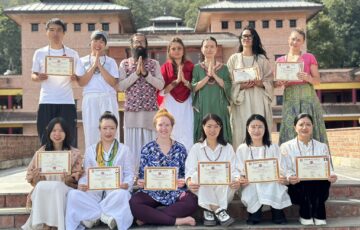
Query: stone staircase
[{"x": 343, "y": 212}]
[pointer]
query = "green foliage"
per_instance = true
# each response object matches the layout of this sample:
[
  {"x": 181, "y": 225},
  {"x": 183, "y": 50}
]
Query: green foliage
[
  {"x": 10, "y": 44},
  {"x": 334, "y": 34}
]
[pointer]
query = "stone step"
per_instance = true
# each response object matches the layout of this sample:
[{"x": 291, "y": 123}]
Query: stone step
[
  {"x": 10, "y": 217},
  {"x": 342, "y": 190}
]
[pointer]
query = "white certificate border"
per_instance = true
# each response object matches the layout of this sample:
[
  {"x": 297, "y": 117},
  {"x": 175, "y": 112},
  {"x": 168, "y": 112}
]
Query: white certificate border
[
  {"x": 267, "y": 159},
  {"x": 315, "y": 178},
  {"x": 161, "y": 168},
  {"x": 68, "y": 172},
  {"x": 118, "y": 178},
  {"x": 243, "y": 68},
  {"x": 72, "y": 65},
  {"x": 214, "y": 162}
]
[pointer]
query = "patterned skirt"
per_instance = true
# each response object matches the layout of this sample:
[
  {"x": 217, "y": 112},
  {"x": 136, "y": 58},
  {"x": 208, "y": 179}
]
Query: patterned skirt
[{"x": 301, "y": 99}]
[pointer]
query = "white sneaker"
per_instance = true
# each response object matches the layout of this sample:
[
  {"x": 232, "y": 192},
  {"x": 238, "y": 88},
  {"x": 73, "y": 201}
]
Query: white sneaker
[
  {"x": 319, "y": 222},
  {"x": 209, "y": 218},
  {"x": 306, "y": 221},
  {"x": 90, "y": 223},
  {"x": 223, "y": 217},
  {"x": 109, "y": 220}
]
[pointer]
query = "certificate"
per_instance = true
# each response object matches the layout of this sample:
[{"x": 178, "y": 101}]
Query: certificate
[
  {"x": 246, "y": 74},
  {"x": 262, "y": 170},
  {"x": 104, "y": 178},
  {"x": 54, "y": 162},
  {"x": 313, "y": 167},
  {"x": 287, "y": 71},
  {"x": 59, "y": 65},
  {"x": 160, "y": 178},
  {"x": 214, "y": 173}
]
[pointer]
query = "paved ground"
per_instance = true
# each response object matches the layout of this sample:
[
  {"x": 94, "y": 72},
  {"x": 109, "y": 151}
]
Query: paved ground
[{"x": 13, "y": 180}]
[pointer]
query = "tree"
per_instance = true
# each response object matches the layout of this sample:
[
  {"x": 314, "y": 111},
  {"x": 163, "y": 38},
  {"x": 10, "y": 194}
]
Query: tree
[{"x": 334, "y": 34}]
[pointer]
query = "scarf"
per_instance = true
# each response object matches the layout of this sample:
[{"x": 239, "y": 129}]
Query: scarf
[{"x": 101, "y": 162}]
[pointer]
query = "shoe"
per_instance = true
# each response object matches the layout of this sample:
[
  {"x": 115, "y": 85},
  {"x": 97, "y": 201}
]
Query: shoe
[
  {"x": 319, "y": 222},
  {"x": 278, "y": 216},
  {"x": 223, "y": 217},
  {"x": 90, "y": 223},
  {"x": 209, "y": 218},
  {"x": 255, "y": 218},
  {"x": 306, "y": 221},
  {"x": 109, "y": 220}
]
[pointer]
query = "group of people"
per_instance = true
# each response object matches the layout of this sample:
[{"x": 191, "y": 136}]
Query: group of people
[{"x": 204, "y": 116}]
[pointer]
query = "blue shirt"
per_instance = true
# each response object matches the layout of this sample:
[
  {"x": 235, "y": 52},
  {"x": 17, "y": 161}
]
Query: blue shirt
[{"x": 151, "y": 156}]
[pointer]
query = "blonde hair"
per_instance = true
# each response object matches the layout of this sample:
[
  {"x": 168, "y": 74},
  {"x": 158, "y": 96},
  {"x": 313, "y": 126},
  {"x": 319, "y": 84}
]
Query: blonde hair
[
  {"x": 300, "y": 31},
  {"x": 164, "y": 113}
]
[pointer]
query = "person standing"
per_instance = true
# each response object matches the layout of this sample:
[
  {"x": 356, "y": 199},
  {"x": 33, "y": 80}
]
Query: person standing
[
  {"x": 250, "y": 97},
  {"x": 211, "y": 86},
  {"x": 177, "y": 73},
  {"x": 300, "y": 97},
  {"x": 98, "y": 76},
  {"x": 56, "y": 95},
  {"x": 140, "y": 78}
]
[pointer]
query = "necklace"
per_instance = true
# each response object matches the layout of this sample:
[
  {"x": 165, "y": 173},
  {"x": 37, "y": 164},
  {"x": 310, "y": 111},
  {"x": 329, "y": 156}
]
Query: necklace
[
  {"x": 217, "y": 158},
  {"x": 288, "y": 59},
  {"x": 252, "y": 156},
  {"x": 243, "y": 63},
  {"x": 97, "y": 70},
  {"x": 63, "y": 48},
  {"x": 312, "y": 146}
]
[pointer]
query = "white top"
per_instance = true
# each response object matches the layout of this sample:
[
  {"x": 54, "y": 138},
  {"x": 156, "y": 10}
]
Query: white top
[
  {"x": 56, "y": 89},
  {"x": 221, "y": 153},
  {"x": 290, "y": 150},
  {"x": 97, "y": 83}
]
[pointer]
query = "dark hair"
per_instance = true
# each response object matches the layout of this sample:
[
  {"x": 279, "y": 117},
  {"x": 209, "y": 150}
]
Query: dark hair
[
  {"x": 299, "y": 31},
  {"x": 137, "y": 35},
  {"x": 100, "y": 37},
  {"x": 183, "y": 58},
  {"x": 266, "y": 138},
  {"x": 56, "y": 21},
  {"x": 108, "y": 116},
  {"x": 302, "y": 115},
  {"x": 202, "y": 57},
  {"x": 49, "y": 146},
  {"x": 217, "y": 119},
  {"x": 257, "y": 47}
]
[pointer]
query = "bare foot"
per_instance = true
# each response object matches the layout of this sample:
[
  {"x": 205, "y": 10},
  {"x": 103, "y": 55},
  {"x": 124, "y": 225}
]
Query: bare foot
[
  {"x": 139, "y": 222},
  {"x": 185, "y": 221}
]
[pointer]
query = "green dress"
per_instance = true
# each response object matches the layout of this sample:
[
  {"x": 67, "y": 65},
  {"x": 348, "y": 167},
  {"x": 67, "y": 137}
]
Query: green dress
[{"x": 211, "y": 99}]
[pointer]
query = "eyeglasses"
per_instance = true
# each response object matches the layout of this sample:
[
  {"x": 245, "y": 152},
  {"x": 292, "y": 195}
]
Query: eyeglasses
[
  {"x": 139, "y": 42},
  {"x": 247, "y": 36}
]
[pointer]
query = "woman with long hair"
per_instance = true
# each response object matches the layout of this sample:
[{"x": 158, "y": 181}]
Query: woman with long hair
[
  {"x": 211, "y": 85},
  {"x": 255, "y": 195},
  {"x": 212, "y": 147},
  {"x": 254, "y": 96},
  {"x": 177, "y": 74},
  {"x": 52, "y": 188}
]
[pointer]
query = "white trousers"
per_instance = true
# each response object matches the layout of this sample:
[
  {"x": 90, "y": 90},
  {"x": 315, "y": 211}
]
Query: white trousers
[
  {"x": 89, "y": 206},
  {"x": 93, "y": 106},
  {"x": 48, "y": 205},
  {"x": 135, "y": 139},
  {"x": 183, "y": 130}
]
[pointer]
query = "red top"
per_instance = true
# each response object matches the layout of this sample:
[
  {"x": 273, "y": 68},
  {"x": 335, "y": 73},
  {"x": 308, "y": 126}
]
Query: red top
[{"x": 180, "y": 92}]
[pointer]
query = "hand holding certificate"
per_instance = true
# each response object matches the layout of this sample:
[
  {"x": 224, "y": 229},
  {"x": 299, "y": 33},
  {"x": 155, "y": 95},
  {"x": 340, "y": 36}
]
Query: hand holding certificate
[
  {"x": 214, "y": 173},
  {"x": 246, "y": 74},
  {"x": 59, "y": 65},
  {"x": 263, "y": 170},
  {"x": 288, "y": 71},
  {"x": 104, "y": 178},
  {"x": 160, "y": 178},
  {"x": 54, "y": 162},
  {"x": 313, "y": 168}
]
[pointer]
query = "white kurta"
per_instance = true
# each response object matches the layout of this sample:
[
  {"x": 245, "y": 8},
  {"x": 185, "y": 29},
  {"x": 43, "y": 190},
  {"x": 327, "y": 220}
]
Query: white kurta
[
  {"x": 293, "y": 148},
  {"x": 48, "y": 205},
  {"x": 183, "y": 130},
  {"x": 255, "y": 195},
  {"x": 91, "y": 204},
  {"x": 217, "y": 195}
]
